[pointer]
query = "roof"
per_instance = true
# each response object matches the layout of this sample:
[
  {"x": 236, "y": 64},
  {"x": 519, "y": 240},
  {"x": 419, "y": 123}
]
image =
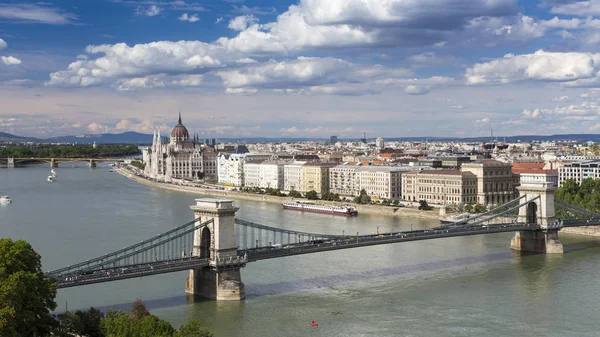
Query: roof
[
  {"x": 528, "y": 165},
  {"x": 321, "y": 164},
  {"x": 533, "y": 171},
  {"x": 486, "y": 162}
]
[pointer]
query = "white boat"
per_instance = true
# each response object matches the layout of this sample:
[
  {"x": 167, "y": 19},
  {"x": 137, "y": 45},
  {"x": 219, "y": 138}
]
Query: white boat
[
  {"x": 53, "y": 172},
  {"x": 320, "y": 208},
  {"x": 50, "y": 179},
  {"x": 5, "y": 199}
]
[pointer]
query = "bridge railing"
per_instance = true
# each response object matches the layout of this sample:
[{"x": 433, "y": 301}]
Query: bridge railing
[
  {"x": 573, "y": 212},
  {"x": 490, "y": 212}
]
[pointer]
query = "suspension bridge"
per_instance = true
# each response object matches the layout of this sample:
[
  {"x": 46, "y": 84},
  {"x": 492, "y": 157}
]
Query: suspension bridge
[{"x": 215, "y": 245}]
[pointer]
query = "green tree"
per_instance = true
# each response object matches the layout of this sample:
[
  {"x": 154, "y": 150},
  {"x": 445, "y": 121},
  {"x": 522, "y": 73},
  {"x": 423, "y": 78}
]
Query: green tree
[
  {"x": 295, "y": 194},
  {"x": 312, "y": 195},
  {"x": 424, "y": 206},
  {"x": 91, "y": 322},
  {"x": 193, "y": 328},
  {"x": 69, "y": 325},
  {"x": 479, "y": 208},
  {"x": 395, "y": 202},
  {"x": 26, "y": 295}
]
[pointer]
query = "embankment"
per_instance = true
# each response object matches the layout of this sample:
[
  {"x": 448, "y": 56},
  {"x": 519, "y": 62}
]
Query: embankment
[{"x": 365, "y": 209}]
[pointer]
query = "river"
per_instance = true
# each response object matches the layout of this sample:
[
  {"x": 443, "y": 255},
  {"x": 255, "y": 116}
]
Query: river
[{"x": 466, "y": 286}]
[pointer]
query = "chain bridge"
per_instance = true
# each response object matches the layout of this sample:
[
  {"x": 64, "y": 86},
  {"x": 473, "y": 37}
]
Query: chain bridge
[{"x": 215, "y": 245}]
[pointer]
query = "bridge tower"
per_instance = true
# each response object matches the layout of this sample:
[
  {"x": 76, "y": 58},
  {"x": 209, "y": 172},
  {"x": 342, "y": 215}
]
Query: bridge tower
[
  {"x": 11, "y": 162},
  {"x": 221, "y": 280},
  {"x": 53, "y": 163},
  {"x": 540, "y": 212}
]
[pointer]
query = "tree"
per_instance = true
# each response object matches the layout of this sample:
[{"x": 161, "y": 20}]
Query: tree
[
  {"x": 479, "y": 208},
  {"x": 69, "y": 325},
  {"x": 90, "y": 322},
  {"x": 26, "y": 295},
  {"x": 424, "y": 206},
  {"x": 193, "y": 328},
  {"x": 295, "y": 194},
  {"x": 395, "y": 202},
  {"x": 138, "y": 310},
  {"x": 312, "y": 195}
]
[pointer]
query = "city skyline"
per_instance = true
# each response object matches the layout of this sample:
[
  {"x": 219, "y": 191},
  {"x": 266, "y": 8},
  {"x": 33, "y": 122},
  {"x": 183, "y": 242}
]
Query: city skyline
[{"x": 447, "y": 68}]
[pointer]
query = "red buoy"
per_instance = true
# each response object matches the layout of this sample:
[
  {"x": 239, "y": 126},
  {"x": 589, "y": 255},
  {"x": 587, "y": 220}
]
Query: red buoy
[{"x": 314, "y": 324}]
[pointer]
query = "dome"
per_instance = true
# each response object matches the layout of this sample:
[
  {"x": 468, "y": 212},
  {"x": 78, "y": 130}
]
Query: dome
[{"x": 180, "y": 132}]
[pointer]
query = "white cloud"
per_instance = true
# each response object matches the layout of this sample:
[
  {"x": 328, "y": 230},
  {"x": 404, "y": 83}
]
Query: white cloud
[
  {"x": 242, "y": 22},
  {"x": 484, "y": 120},
  {"x": 145, "y": 126},
  {"x": 188, "y": 81},
  {"x": 39, "y": 13},
  {"x": 152, "y": 10},
  {"x": 140, "y": 83},
  {"x": 579, "y": 8},
  {"x": 458, "y": 107},
  {"x": 2, "y": 44},
  {"x": 10, "y": 60},
  {"x": 416, "y": 90},
  {"x": 362, "y": 23},
  {"x": 219, "y": 19},
  {"x": 189, "y": 18},
  {"x": 245, "y": 60},
  {"x": 98, "y": 128},
  {"x": 562, "y": 99},
  {"x": 536, "y": 113},
  {"x": 539, "y": 66},
  {"x": 305, "y": 72},
  {"x": 122, "y": 61}
]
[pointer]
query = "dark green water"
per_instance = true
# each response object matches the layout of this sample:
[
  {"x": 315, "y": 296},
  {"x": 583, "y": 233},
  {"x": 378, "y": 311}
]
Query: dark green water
[{"x": 470, "y": 286}]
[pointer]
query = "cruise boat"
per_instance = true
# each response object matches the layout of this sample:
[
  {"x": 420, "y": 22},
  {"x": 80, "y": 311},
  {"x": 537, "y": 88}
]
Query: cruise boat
[
  {"x": 5, "y": 199},
  {"x": 50, "y": 179},
  {"x": 320, "y": 208}
]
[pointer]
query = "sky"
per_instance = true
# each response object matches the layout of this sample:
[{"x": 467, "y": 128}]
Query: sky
[{"x": 301, "y": 68}]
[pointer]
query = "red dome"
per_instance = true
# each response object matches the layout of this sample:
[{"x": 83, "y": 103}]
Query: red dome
[{"x": 179, "y": 131}]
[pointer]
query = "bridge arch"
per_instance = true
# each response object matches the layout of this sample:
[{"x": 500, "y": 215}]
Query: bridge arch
[
  {"x": 205, "y": 243},
  {"x": 531, "y": 215}
]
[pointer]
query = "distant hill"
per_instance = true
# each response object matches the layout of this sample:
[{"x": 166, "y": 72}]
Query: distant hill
[
  {"x": 141, "y": 138},
  {"x": 7, "y": 137},
  {"x": 105, "y": 138}
]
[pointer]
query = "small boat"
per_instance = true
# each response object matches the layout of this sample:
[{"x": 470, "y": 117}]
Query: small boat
[
  {"x": 53, "y": 172},
  {"x": 314, "y": 324},
  {"x": 5, "y": 199},
  {"x": 319, "y": 208},
  {"x": 75, "y": 166},
  {"x": 50, "y": 179},
  {"x": 111, "y": 170}
]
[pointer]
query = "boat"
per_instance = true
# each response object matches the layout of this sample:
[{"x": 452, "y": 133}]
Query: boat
[
  {"x": 50, "y": 179},
  {"x": 320, "y": 208},
  {"x": 5, "y": 199},
  {"x": 53, "y": 173},
  {"x": 111, "y": 170}
]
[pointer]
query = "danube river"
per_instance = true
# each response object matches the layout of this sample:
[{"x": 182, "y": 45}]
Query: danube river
[{"x": 469, "y": 286}]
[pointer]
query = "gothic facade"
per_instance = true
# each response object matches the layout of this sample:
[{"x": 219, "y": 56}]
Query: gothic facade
[{"x": 179, "y": 158}]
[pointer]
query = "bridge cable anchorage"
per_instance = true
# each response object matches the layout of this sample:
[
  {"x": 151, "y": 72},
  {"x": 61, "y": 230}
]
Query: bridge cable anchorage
[
  {"x": 144, "y": 252},
  {"x": 497, "y": 212},
  {"x": 576, "y": 210},
  {"x": 492, "y": 211}
]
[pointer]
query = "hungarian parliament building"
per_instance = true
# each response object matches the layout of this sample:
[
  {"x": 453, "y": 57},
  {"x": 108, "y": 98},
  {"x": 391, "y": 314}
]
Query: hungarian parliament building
[{"x": 179, "y": 157}]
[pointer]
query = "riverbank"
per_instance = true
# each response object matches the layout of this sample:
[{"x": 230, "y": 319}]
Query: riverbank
[{"x": 366, "y": 209}]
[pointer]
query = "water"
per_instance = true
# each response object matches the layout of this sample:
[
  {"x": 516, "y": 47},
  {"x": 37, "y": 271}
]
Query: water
[{"x": 468, "y": 286}]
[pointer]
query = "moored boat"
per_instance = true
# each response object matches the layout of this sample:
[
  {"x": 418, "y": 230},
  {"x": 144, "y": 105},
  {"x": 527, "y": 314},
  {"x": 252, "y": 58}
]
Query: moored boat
[
  {"x": 320, "y": 208},
  {"x": 50, "y": 179},
  {"x": 5, "y": 199}
]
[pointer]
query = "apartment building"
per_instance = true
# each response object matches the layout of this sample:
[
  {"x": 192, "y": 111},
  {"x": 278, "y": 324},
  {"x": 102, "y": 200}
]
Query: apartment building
[
  {"x": 496, "y": 183},
  {"x": 270, "y": 174},
  {"x": 230, "y": 166},
  {"x": 380, "y": 182},
  {"x": 343, "y": 180},
  {"x": 579, "y": 170},
  {"x": 292, "y": 175},
  {"x": 252, "y": 173},
  {"x": 440, "y": 186},
  {"x": 315, "y": 176}
]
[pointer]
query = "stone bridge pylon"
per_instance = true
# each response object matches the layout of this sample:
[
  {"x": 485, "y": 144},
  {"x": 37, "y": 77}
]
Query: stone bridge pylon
[
  {"x": 538, "y": 212},
  {"x": 220, "y": 280}
]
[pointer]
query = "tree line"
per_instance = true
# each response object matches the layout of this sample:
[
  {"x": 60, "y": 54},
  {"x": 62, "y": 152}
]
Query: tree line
[
  {"x": 27, "y": 298},
  {"x": 585, "y": 195},
  {"x": 69, "y": 151}
]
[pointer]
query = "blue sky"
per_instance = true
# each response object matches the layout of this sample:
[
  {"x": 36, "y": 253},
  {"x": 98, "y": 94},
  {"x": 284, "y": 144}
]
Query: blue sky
[{"x": 242, "y": 68}]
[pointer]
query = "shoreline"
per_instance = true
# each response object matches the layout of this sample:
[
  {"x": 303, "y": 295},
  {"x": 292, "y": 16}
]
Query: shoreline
[{"x": 367, "y": 209}]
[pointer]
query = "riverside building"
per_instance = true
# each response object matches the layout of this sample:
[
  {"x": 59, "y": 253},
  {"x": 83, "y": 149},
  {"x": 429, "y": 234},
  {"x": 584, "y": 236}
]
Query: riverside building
[
  {"x": 579, "y": 170},
  {"x": 180, "y": 158}
]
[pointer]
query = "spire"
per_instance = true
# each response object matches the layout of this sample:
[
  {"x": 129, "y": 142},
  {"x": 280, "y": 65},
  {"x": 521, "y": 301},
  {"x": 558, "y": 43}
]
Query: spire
[{"x": 179, "y": 121}]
